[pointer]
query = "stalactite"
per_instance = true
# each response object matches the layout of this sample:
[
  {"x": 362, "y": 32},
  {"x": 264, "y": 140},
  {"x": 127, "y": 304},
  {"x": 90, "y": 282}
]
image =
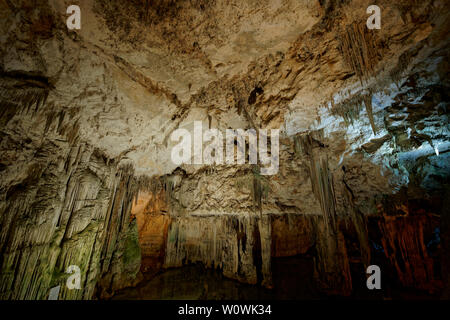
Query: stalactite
[
  {"x": 66, "y": 196},
  {"x": 332, "y": 270},
  {"x": 257, "y": 184},
  {"x": 320, "y": 176},
  {"x": 359, "y": 222},
  {"x": 323, "y": 189},
  {"x": 17, "y": 100},
  {"x": 349, "y": 109},
  {"x": 260, "y": 189},
  {"x": 228, "y": 242},
  {"x": 120, "y": 256},
  {"x": 168, "y": 188},
  {"x": 360, "y": 49},
  {"x": 368, "y": 104}
]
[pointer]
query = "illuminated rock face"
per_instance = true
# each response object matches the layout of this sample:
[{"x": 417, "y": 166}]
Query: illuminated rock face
[
  {"x": 153, "y": 222},
  {"x": 410, "y": 242},
  {"x": 86, "y": 176}
]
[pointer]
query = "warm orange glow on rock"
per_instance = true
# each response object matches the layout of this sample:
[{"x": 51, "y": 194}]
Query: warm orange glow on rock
[{"x": 150, "y": 211}]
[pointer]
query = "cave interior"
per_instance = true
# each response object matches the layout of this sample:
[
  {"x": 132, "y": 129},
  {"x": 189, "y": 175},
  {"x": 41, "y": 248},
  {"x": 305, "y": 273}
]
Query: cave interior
[{"x": 355, "y": 119}]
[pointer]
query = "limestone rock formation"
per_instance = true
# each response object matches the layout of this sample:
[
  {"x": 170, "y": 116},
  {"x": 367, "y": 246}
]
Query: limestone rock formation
[{"x": 86, "y": 117}]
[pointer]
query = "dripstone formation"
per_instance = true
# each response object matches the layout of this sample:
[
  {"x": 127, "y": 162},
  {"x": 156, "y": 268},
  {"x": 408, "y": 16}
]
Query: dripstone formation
[{"x": 86, "y": 117}]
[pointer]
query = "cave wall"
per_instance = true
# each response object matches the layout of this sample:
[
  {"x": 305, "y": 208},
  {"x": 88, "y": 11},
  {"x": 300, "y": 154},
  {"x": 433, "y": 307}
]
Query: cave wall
[
  {"x": 63, "y": 201},
  {"x": 69, "y": 208},
  {"x": 86, "y": 117},
  {"x": 151, "y": 213}
]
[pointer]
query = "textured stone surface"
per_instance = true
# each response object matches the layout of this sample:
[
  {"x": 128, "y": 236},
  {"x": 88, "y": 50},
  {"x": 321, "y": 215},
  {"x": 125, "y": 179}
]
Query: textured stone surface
[{"x": 86, "y": 118}]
